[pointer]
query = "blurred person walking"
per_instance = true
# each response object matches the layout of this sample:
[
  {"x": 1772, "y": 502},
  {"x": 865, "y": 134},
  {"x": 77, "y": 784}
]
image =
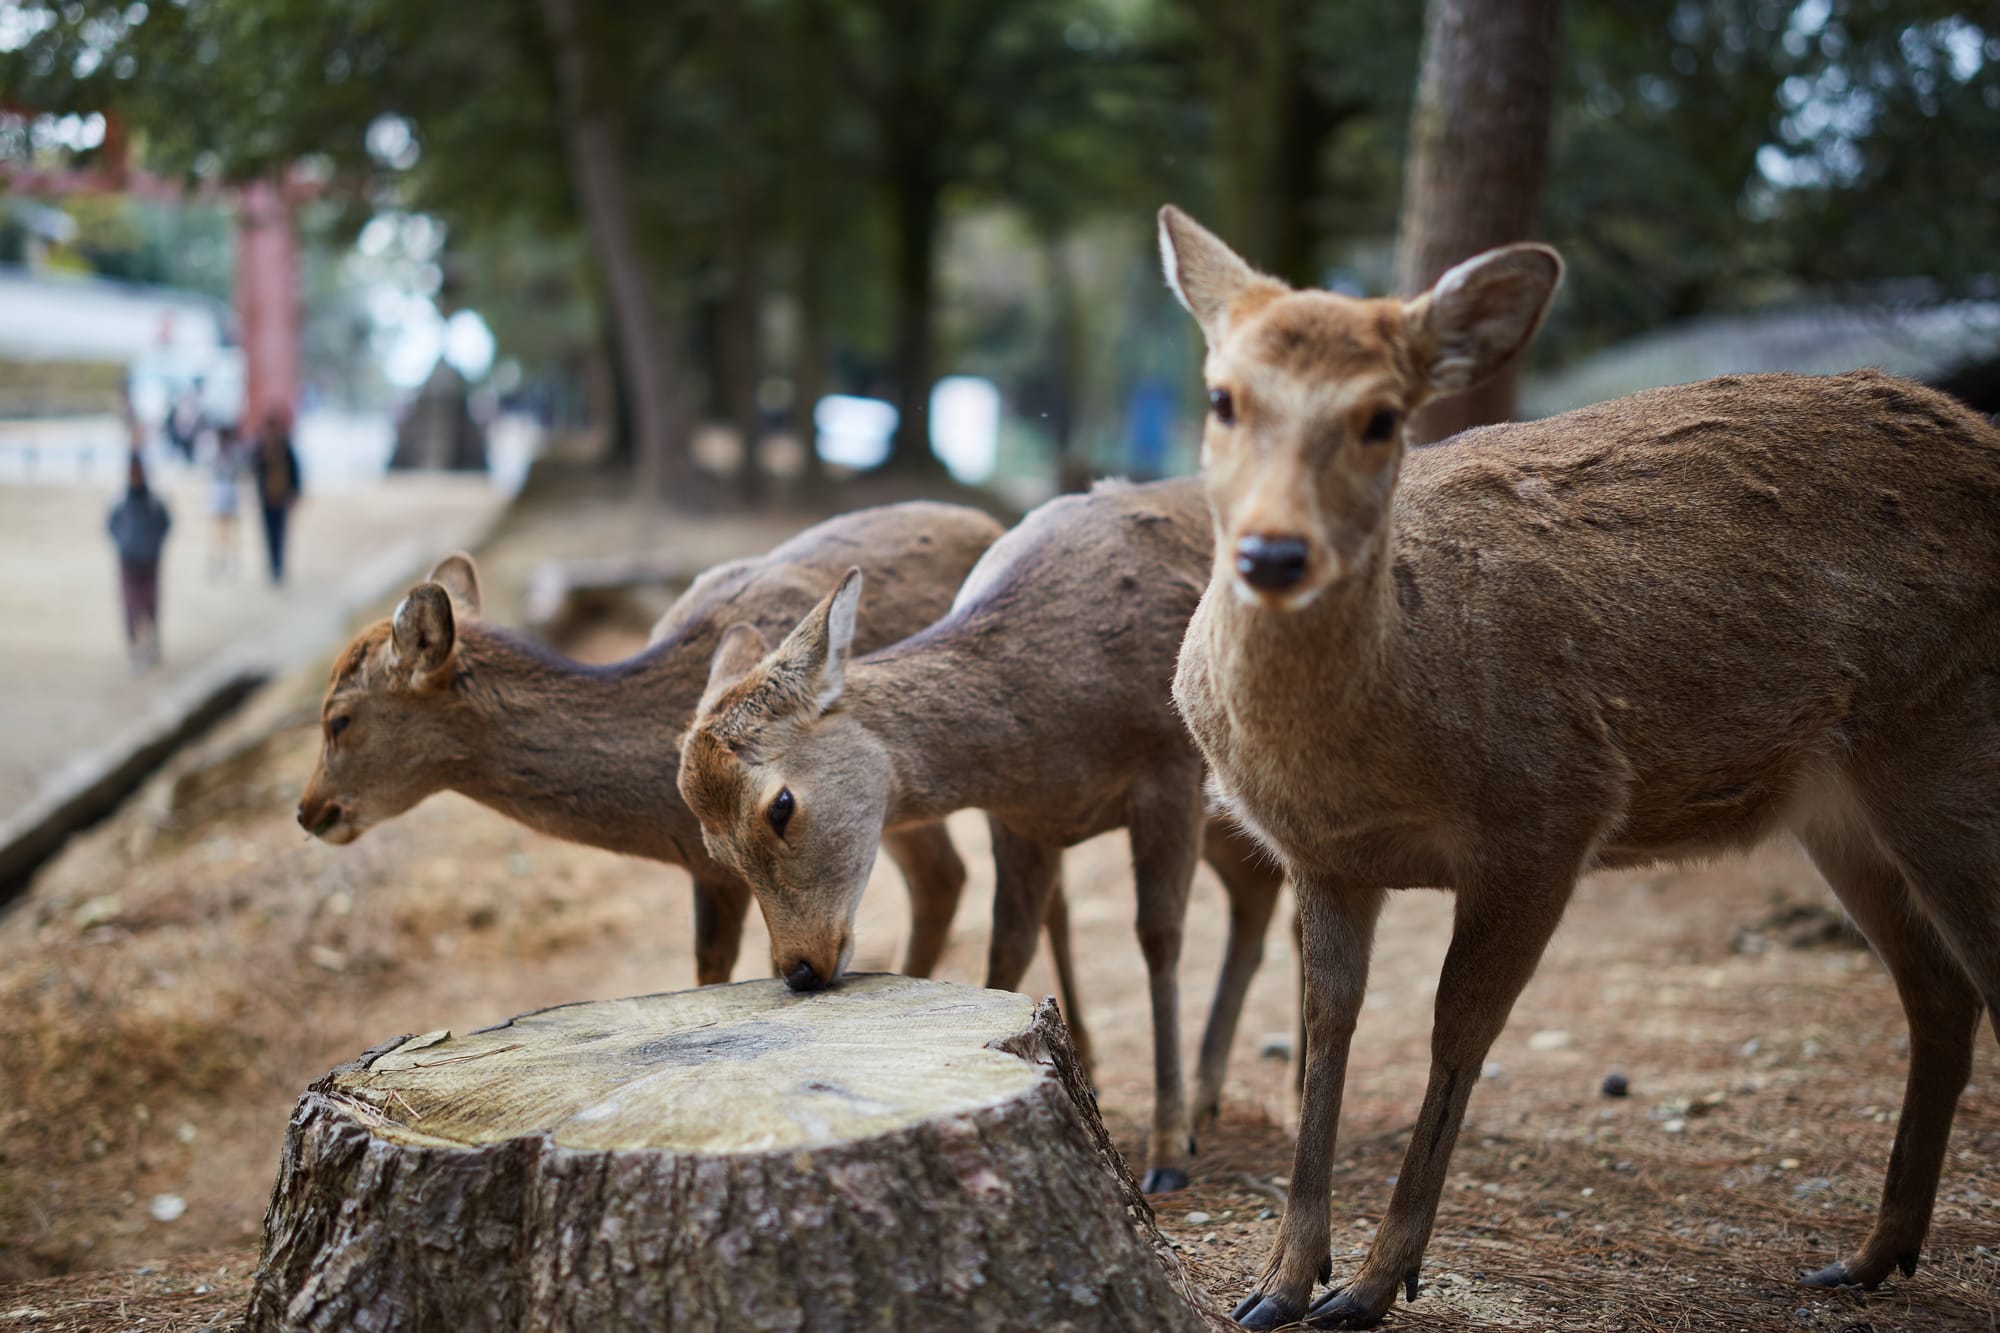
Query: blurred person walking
[
  {"x": 277, "y": 468},
  {"x": 221, "y": 456},
  {"x": 138, "y": 527},
  {"x": 185, "y": 420}
]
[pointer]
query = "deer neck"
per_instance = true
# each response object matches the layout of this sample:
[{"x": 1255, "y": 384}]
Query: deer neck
[
  {"x": 1337, "y": 652},
  {"x": 938, "y": 709},
  {"x": 590, "y": 754}
]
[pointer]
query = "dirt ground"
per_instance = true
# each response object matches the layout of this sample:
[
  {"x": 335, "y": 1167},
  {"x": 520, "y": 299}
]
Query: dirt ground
[{"x": 173, "y": 981}]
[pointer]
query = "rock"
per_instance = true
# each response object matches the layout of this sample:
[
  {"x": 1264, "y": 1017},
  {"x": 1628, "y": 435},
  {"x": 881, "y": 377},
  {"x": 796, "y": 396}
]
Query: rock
[
  {"x": 1616, "y": 1085},
  {"x": 167, "y": 1207},
  {"x": 1549, "y": 1039}
]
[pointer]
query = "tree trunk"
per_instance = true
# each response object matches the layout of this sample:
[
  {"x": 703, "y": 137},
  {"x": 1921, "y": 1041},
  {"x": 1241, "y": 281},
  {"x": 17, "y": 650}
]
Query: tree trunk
[
  {"x": 1066, "y": 362},
  {"x": 916, "y": 205},
  {"x": 806, "y": 60},
  {"x": 1272, "y": 131},
  {"x": 889, "y": 1154},
  {"x": 1479, "y": 144},
  {"x": 743, "y": 304},
  {"x": 649, "y": 368}
]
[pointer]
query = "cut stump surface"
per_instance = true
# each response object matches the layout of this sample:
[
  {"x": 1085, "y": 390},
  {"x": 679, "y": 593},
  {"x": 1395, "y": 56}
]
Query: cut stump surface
[{"x": 887, "y": 1154}]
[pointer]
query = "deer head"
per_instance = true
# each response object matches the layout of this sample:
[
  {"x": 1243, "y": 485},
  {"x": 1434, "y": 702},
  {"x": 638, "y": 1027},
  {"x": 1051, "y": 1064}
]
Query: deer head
[
  {"x": 1310, "y": 393},
  {"x": 791, "y": 792},
  {"x": 386, "y": 734}
]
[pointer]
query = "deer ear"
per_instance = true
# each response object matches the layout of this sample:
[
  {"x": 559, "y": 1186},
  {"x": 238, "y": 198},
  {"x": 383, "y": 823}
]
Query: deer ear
[
  {"x": 459, "y": 577},
  {"x": 742, "y": 647},
  {"x": 815, "y": 653},
  {"x": 837, "y": 616},
  {"x": 422, "y": 633},
  {"x": 1481, "y": 313},
  {"x": 1207, "y": 276}
]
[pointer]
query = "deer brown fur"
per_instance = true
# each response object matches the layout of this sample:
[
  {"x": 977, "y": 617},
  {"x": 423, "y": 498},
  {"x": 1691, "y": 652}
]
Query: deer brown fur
[
  {"x": 1041, "y": 699},
  {"x": 1658, "y": 628},
  {"x": 435, "y": 699}
]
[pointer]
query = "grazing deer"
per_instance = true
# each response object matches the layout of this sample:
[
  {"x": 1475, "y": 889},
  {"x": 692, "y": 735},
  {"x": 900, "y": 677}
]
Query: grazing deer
[
  {"x": 1042, "y": 699},
  {"x": 1657, "y": 628},
  {"x": 434, "y": 699}
]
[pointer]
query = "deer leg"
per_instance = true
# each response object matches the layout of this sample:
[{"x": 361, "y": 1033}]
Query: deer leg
[
  {"x": 1298, "y": 1061},
  {"x": 1252, "y": 879},
  {"x": 1057, "y": 925},
  {"x": 1943, "y": 1012},
  {"x": 1337, "y": 925},
  {"x": 935, "y": 877},
  {"x": 1026, "y": 877},
  {"x": 1165, "y": 830},
  {"x": 719, "y": 908},
  {"x": 1497, "y": 939}
]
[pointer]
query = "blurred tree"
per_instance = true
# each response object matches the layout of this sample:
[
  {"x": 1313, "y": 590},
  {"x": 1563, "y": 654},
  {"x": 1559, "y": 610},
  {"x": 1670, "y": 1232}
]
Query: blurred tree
[
  {"x": 1479, "y": 142},
  {"x": 590, "y": 127},
  {"x": 1721, "y": 153},
  {"x": 807, "y": 42},
  {"x": 950, "y": 88},
  {"x": 1302, "y": 93}
]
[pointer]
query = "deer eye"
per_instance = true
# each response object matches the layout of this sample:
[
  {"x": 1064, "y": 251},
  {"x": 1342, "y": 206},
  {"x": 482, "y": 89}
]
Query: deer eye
[
  {"x": 779, "y": 812},
  {"x": 336, "y": 725},
  {"x": 1380, "y": 427},
  {"x": 1224, "y": 407}
]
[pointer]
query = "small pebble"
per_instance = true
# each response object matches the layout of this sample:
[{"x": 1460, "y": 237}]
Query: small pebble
[
  {"x": 1196, "y": 1219},
  {"x": 167, "y": 1207},
  {"x": 1267, "y": 1215},
  {"x": 1616, "y": 1085},
  {"x": 1275, "y": 1046},
  {"x": 1549, "y": 1039},
  {"x": 1490, "y": 1070},
  {"x": 1675, "y": 1126}
]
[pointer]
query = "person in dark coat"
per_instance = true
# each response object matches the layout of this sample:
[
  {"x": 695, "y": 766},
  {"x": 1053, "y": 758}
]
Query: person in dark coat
[
  {"x": 138, "y": 526},
  {"x": 277, "y": 468}
]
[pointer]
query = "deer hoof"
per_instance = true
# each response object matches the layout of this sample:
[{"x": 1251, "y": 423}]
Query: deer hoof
[
  {"x": 1342, "y": 1309},
  {"x": 1833, "y": 1275},
  {"x": 1164, "y": 1180},
  {"x": 1258, "y": 1311}
]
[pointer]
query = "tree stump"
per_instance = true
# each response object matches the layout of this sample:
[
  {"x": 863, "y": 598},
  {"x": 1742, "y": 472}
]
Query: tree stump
[{"x": 887, "y": 1154}]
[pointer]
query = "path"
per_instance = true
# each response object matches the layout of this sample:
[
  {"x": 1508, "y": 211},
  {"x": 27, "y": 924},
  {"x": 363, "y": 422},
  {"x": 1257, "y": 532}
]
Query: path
[{"x": 65, "y": 688}]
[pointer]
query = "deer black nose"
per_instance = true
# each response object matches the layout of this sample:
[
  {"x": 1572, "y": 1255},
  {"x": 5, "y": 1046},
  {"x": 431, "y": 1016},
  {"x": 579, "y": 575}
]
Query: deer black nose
[
  {"x": 802, "y": 977},
  {"x": 1271, "y": 563},
  {"x": 329, "y": 815}
]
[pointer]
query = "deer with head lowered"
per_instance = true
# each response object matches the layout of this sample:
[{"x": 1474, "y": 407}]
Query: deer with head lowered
[
  {"x": 434, "y": 699},
  {"x": 1041, "y": 699},
  {"x": 1658, "y": 628}
]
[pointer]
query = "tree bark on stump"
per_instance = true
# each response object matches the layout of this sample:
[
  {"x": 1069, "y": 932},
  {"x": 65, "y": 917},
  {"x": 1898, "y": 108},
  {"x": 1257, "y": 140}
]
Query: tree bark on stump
[{"x": 888, "y": 1154}]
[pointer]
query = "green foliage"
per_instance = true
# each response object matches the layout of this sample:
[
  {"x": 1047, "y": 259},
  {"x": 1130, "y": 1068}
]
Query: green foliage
[{"x": 1708, "y": 152}]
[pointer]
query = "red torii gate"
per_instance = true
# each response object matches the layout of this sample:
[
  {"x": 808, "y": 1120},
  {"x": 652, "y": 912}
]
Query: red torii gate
[{"x": 267, "y": 259}]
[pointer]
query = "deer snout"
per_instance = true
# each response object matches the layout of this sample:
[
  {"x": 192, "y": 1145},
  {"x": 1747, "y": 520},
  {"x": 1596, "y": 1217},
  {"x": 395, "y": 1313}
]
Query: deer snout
[
  {"x": 814, "y": 968},
  {"x": 1271, "y": 563},
  {"x": 318, "y": 816}
]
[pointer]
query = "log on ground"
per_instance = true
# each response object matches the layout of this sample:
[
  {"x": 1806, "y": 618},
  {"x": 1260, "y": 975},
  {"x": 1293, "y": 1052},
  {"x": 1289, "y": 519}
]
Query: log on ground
[{"x": 887, "y": 1154}]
